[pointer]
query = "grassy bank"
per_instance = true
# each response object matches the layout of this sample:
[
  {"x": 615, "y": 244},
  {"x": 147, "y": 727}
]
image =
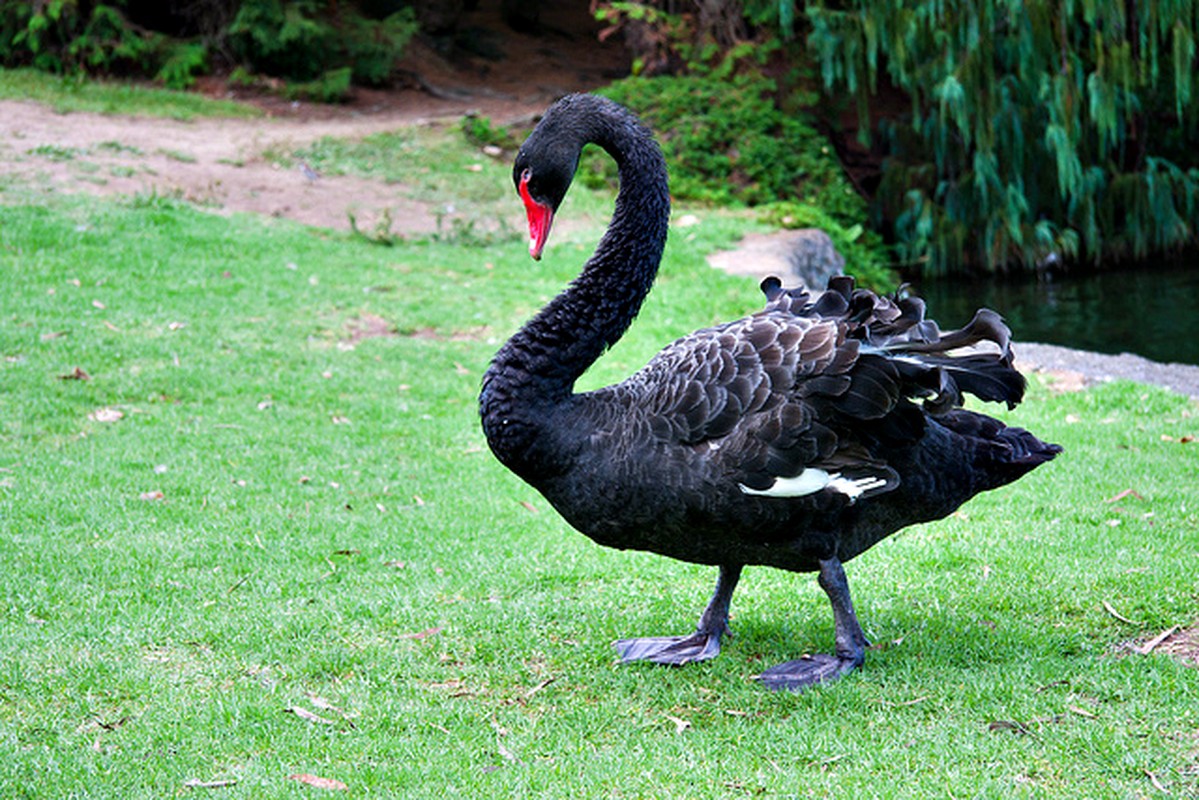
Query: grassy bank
[{"x": 66, "y": 94}]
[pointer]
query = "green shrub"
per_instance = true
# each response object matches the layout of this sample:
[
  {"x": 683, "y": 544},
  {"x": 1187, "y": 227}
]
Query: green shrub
[
  {"x": 331, "y": 87},
  {"x": 372, "y": 47},
  {"x": 727, "y": 141},
  {"x": 284, "y": 39},
  {"x": 184, "y": 61},
  {"x": 68, "y": 36},
  {"x": 479, "y": 131},
  {"x": 308, "y": 42}
]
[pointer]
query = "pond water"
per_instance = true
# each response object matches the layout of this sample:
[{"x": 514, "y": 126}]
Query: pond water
[{"x": 1153, "y": 313}]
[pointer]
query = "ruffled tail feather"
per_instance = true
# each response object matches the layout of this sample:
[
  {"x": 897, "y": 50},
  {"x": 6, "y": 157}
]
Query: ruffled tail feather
[{"x": 930, "y": 364}]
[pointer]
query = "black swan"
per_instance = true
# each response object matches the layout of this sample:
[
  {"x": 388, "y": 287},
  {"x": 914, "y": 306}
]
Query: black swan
[{"x": 796, "y": 437}]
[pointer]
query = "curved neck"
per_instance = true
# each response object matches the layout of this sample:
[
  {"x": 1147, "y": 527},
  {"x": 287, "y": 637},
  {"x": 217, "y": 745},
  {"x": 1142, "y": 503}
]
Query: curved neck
[{"x": 541, "y": 363}]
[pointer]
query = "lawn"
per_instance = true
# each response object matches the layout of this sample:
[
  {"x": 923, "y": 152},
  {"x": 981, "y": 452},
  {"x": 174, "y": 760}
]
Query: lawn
[{"x": 262, "y": 550}]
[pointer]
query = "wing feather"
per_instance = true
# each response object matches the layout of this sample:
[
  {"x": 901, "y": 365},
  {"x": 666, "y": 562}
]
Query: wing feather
[{"x": 815, "y": 383}]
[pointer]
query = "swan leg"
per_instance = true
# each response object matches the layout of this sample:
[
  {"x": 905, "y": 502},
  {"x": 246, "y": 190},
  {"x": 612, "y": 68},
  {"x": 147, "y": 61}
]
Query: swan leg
[
  {"x": 850, "y": 640},
  {"x": 699, "y": 646}
]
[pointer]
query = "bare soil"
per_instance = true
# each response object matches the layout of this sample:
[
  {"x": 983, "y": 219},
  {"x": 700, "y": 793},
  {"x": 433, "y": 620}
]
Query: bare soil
[{"x": 225, "y": 163}]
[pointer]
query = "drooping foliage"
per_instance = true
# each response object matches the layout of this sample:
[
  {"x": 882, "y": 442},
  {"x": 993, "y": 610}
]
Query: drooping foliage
[{"x": 1036, "y": 130}]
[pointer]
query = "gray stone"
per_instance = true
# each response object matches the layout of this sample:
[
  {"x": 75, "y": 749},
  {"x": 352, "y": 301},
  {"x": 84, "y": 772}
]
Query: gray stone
[{"x": 806, "y": 256}]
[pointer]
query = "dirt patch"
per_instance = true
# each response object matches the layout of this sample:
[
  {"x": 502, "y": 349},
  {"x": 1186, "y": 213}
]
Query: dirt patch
[
  {"x": 1177, "y": 642},
  {"x": 369, "y": 326},
  {"x": 1182, "y": 645},
  {"x": 224, "y": 164}
]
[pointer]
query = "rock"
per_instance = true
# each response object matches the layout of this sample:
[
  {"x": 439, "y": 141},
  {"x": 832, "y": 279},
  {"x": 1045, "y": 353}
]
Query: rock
[{"x": 806, "y": 256}]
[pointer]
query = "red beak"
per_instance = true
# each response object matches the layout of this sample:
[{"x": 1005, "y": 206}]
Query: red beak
[{"x": 540, "y": 216}]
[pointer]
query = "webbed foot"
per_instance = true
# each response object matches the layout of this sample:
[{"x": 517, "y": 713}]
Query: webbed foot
[
  {"x": 673, "y": 651},
  {"x": 807, "y": 671},
  {"x": 700, "y": 646},
  {"x": 851, "y": 641}
]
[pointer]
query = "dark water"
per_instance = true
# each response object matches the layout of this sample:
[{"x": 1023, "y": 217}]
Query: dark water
[{"x": 1153, "y": 313}]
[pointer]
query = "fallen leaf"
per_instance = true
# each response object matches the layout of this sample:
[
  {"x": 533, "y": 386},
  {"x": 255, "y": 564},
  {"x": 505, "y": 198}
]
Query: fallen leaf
[
  {"x": 680, "y": 725},
  {"x": 1071, "y": 419},
  {"x": 461, "y": 370},
  {"x": 319, "y": 782},
  {"x": 1152, "y": 644},
  {"x": 305, "y": 714},
  {"x": 111, "y": 327},
  {"x": 53, "y": 335},
  {"x": 1118, "y": 496},
  {"x": 347, "y": 552},
  {"x": 337, "y": 420},
  {"x": 99, "y": 305},
  {"x": 265, "y": 404},
  {"x": 106, "y": 414},
  {"x": 539, "y": 687},
  {"x": 174, "y": 326},
  {"x": 76, "y": 374},
  {"x": 425, "y": 634},
  {"x": 322, "y": 703},
  {"x": 241, "y": 582},
  {"x": 1186, "y": 439},
  {"x": 507, "y": 754},
  {"x": 154, "y": 495},
  {"x": 1156, "y": 783},
  {"x": 196, "y": 783},
  {"x": 1108, "y": 608},
  {"x": 416, "y": 498},
  {"x": 529, "y": 506},
  {"x": 1082, "y": 712},
  {"x": 395, "y": 564},
  {"x": 1008, "y": 725}
]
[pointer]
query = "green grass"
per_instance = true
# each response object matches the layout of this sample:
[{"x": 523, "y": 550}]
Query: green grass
[
  {"x": 332, "y": 531},
  {"x": 431, "y": 165},
  {"x": 67, "y": 94}
]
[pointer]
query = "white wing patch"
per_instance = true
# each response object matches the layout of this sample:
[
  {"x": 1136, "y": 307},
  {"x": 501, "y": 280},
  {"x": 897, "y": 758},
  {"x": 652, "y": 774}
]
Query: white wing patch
[{"x": 812, "y": 480}]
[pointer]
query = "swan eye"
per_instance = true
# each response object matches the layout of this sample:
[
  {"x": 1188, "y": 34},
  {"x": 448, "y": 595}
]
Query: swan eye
[{"x": 526, "y": 181}]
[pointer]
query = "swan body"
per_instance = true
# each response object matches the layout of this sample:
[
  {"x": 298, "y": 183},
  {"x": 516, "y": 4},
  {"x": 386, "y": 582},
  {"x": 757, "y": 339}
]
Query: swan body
[{"x": 795, "y": 437}]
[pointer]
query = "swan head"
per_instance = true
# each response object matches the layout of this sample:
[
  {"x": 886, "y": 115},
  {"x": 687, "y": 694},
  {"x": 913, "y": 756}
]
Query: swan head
[{"x": 546, "y": 165}]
